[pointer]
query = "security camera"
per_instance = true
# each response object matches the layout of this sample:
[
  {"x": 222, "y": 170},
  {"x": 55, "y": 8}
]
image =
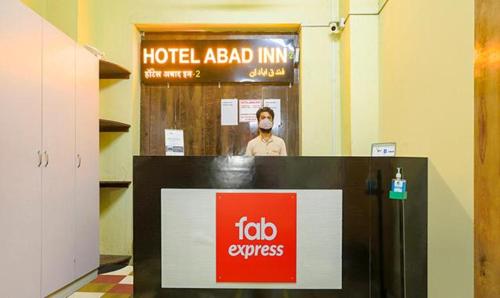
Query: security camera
[{"x": 337, "y": 27}]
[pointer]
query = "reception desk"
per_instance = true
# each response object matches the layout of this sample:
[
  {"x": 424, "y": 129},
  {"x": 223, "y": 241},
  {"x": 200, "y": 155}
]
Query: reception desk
[{"x": 278, "y": 227}]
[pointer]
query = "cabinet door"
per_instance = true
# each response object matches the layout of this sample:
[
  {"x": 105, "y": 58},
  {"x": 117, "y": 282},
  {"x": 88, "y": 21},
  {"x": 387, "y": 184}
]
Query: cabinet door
[
  {"x": 20, "y": 139},
  {"x": 58, "y": 173},
  {"x": 87, "y": 170}
]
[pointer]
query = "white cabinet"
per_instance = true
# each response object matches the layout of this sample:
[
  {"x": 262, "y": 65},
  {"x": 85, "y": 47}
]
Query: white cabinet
[
  {"x": 58, "y": 173},
  {"x": 87, "y": 169},
  {"x": 20, "y": 140},
  {"x": 49, "y": 195}
]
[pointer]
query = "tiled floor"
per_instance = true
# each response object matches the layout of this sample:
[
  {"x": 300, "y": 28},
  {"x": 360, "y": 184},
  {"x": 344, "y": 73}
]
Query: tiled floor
[{"x": 116, "y": 284}]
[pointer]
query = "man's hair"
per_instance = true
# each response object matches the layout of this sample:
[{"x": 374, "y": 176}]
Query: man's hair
[{"x": 265, "y": 109}]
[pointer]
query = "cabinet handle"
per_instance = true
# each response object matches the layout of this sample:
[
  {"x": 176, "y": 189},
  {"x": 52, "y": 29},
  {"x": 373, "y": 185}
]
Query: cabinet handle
[
  {"x": 39, "y": 158},
  {"x": 46, "y": 158},
  {"x": 79, "y": 158}
]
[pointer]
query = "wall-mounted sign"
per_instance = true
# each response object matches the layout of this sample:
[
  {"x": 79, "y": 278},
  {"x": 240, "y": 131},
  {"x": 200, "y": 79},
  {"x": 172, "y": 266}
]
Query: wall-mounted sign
[
  {"x": 174, "y": 142},
  {"x": 383, "y": 149},
  {"x": 275, "y": 105},
  {"x": 248, "y": 109},
  {"x": 229, "y": 112},
  {"x": 203, "y": 61}
]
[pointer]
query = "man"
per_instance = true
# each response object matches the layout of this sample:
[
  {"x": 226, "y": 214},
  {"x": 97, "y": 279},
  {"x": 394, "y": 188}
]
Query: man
[{"x": 266, "y": 143}]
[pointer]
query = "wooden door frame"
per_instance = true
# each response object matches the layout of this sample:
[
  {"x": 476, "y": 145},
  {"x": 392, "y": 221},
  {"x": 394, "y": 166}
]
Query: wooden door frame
[
  {"x": 487, "y": 150},
  {"x": 268, "y": 30}
]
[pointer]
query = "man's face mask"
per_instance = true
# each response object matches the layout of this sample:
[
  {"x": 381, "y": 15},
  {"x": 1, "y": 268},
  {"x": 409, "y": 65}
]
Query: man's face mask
[{"x": 265, "y": 124}]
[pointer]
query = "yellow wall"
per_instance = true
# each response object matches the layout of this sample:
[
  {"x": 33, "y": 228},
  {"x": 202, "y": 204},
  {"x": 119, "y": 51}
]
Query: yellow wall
[
  {"x": 110, "y": 27},
  {"x": 363, "y": 6},
  {"x": 425, "y": 99},
  {"x": 36, "y": 5},
  {"x": 426, "y": 106},
  {"x": 364, "y": 84},
  {"x": 345, "y": 88},
  {"x": 359, "y": 76},
  {"x": 62, "y": 13}
]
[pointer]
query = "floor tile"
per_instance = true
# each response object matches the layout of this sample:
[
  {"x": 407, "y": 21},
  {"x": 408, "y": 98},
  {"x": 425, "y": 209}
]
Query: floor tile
[
  {"x": 115, "y": 295},
  {"x": 122, "y": 289},
  {"x": 129, "y": 280},
  {"x": 96, "y": 287},
  {"x": 86, "y": 295},
  {"x": 109, "y": 279},
  {"x": 116, "y": 284}
]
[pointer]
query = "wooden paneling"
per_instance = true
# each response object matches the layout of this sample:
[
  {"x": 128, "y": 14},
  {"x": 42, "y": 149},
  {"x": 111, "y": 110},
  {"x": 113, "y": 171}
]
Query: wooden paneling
[
  {"x": 212, "y": 126},
  {"x": 145, "y": 115},
  {"x": 272, "y": 28},
  {"x": 195, "y": 108},
  {"x": 487, "y": 149}
]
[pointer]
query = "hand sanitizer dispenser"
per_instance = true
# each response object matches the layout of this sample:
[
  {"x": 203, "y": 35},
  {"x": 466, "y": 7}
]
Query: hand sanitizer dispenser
[{"x": 398, "y": 187}]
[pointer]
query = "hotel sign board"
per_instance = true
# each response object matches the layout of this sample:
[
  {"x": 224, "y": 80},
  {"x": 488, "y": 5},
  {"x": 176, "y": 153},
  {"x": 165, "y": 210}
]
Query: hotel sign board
[{"x": 269, "y": 60}]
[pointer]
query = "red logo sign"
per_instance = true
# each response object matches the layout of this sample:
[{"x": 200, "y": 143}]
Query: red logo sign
[{"x": 256, "y": 237}]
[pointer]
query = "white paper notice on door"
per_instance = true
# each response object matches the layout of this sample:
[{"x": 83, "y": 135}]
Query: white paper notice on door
[
  {"x": 174, "y": 142},
  {"x": 229, "y": 112},
  {"x": 248, "y": 109},
  {"x": 275, "y": 105}
]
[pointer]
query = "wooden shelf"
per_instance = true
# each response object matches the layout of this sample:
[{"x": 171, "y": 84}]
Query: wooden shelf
[
  {"x": 109, "y": 70},
  {"x": 112, "y": 126},
  {"x": 114, "y": 184}
]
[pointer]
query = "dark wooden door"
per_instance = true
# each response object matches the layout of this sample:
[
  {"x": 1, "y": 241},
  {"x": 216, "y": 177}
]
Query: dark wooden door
[{"x": 195, "y": 108}]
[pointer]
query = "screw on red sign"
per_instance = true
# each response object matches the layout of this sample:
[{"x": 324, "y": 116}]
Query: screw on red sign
[{"x": 256, "y": 237}]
